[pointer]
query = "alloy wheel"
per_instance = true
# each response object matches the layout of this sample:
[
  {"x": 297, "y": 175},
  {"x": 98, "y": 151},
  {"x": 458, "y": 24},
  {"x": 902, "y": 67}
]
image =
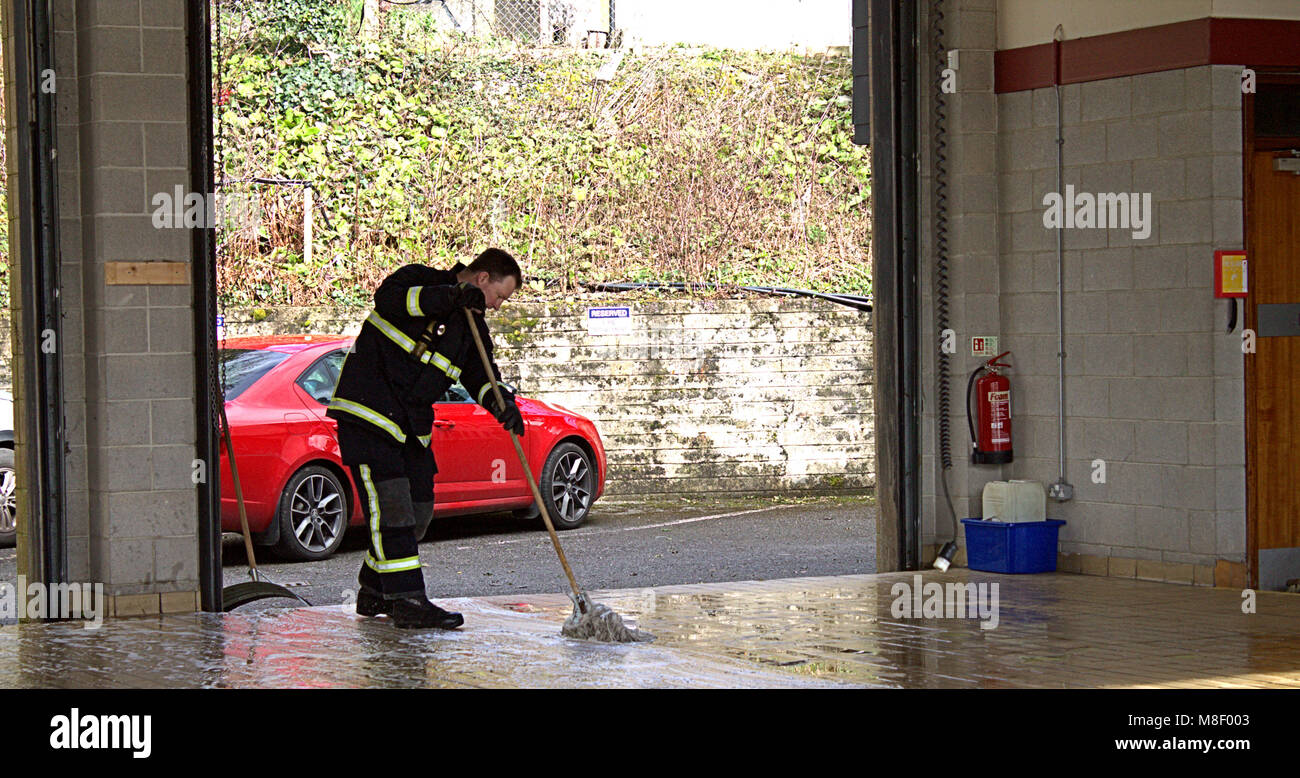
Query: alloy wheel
[
  {"x": 316, "y": 513},
  {"x": 8, "y": 500},
  {"x": 571, "y": 486}
]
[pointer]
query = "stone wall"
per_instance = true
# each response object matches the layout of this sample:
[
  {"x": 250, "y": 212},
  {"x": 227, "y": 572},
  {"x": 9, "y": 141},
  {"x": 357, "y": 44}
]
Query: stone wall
[
  {"x": 6, "y": 355},
  {"x": 702, "y": 397}
]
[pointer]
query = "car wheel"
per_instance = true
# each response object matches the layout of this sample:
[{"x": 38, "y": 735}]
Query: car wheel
[
  {"x": 313, "y": 514},
  {"x": 8, "y": 498},
  {"x": 568, "y": 484}
]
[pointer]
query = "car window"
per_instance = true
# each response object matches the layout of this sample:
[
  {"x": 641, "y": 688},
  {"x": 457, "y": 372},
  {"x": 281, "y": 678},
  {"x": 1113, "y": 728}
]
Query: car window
[
  {"x": 319, "y": 380},
  {"x": 455, "y": 394},
  {"x": 459, "y": 394},
  {"x": 241, "y": 368}
]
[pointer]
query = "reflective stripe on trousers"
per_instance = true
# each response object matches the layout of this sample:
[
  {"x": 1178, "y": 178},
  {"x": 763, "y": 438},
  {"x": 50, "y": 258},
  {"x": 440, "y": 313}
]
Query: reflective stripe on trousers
[{"x": 392, "y": 563}]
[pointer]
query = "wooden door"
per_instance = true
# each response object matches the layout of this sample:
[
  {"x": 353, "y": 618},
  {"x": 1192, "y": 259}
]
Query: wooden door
[{"x": 1273, "y": 372}]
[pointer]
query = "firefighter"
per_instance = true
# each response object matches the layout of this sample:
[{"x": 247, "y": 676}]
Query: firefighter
[{"x": 413, "y": 346}]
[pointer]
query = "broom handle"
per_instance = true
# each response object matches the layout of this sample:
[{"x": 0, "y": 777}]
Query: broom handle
[
  {"x": 532, "y": 484},
  {"x": 239, "y": 495}
]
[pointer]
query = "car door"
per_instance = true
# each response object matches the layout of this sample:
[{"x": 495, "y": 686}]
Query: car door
[
  {"x": 314, "y": 388},
  {"x": 476, "y": 460}
]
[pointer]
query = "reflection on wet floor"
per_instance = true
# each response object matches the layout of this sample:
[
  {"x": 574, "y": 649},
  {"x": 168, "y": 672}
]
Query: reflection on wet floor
[{"x": 1052, "y": 630}]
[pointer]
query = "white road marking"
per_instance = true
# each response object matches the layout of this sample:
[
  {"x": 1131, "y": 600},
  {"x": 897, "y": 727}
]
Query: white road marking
[{"x": 610, "y": 531}]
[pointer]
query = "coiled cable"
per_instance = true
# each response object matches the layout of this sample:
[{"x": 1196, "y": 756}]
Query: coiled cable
[{"x": 940, "y": 162}]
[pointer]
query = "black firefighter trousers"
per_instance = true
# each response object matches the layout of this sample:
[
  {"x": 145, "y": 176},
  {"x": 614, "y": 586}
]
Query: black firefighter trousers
[{"x": 395, "y": 488}]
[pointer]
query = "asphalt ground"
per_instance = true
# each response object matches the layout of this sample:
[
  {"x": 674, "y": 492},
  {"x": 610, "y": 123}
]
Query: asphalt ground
[{"x": 623, "y": 544}]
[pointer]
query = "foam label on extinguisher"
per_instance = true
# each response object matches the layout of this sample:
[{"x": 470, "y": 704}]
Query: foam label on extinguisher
[{"x": 1000, "y": 412}]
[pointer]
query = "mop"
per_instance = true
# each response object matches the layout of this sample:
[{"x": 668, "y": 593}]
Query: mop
[
  {"x": 260, "y": 587},
  {"x": 589, "y": 620}
]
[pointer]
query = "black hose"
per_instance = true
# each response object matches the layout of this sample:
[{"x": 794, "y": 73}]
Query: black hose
[
  {"x": 970, "y": 423},
  {"x": 859, "y": 302},
  {"x": 941, "y": 255}
]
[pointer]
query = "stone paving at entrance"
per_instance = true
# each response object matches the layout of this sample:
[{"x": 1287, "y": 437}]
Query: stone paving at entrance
[{"x": 1052, "y": 630}]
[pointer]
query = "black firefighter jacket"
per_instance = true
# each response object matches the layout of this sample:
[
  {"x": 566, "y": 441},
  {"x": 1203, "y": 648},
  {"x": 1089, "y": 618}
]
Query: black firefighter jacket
[{"x": 382, "y": 384}]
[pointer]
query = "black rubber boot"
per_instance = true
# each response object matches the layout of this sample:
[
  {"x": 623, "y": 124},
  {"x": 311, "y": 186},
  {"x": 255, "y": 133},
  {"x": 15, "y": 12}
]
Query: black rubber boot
[
  {"x": 419, "y": 613},
  {"x": 371, "y": 604}
]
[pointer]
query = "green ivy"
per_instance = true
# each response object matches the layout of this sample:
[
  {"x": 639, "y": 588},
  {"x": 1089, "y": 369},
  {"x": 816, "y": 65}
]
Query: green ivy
[{"x": 726, "y": 166}]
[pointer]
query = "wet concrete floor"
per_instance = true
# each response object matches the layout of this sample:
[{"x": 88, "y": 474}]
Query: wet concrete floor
[{"x": 1052, "y": 630}]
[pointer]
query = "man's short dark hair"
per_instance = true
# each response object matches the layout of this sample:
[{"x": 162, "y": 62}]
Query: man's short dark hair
[{"x": 498, "y": 264}]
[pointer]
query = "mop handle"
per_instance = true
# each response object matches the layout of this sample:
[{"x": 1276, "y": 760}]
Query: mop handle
[
  {"x": 532, "y": 484},
  {"x": 239, "y": 495}
]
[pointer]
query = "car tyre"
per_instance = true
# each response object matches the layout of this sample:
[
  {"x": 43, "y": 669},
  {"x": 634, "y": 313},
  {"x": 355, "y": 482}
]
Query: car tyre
[
  {"x": 313, "y": 515},
  {"x": 568, "y": 485},
  {"x": 8, "y": 499}
]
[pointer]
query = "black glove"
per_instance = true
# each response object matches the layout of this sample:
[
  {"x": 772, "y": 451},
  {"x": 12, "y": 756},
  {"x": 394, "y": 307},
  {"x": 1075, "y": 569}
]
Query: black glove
[
  {"x": 470, "y": 296},
  {"x": 509, "y": 416}
]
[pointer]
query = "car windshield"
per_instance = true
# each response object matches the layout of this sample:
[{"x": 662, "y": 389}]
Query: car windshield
[{"x": 240, "y": 368}]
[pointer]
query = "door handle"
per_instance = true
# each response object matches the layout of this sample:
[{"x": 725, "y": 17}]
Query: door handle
[{"x": 444, "y": 423}]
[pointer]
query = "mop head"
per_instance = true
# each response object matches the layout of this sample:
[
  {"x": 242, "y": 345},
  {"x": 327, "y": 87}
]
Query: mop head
[{"x": 599, "y": 623}]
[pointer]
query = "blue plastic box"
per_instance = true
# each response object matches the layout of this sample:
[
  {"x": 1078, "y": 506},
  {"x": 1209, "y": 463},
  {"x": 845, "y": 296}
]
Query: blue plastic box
[{"x": 1012, "y": 547}]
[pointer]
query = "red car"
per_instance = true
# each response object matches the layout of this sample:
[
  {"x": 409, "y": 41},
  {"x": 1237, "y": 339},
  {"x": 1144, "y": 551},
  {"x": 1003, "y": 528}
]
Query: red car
[{"x": 299, "y": 497}]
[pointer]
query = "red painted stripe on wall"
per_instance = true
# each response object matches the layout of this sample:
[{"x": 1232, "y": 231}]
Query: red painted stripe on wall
[
  {"x": 1250, "y": 42},
  {"x": 1255, "y": 42}
]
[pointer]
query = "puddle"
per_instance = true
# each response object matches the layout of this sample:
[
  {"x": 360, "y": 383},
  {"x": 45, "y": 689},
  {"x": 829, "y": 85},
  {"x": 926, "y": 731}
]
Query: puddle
[
  {"x": 330, "y": 647},
  {"x": 1055, "y": 630}
]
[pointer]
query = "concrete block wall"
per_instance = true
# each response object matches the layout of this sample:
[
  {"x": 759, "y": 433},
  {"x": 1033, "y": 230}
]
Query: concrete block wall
[
  {"x": 704, "y": 397},
  {"x": 140, "y": 407},
  {"x": 121, "y": 102},
  {"x": 1154, "y": 386}
]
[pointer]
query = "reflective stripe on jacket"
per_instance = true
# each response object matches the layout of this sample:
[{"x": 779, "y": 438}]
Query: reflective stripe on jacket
[{"x": 383, "y": 383}]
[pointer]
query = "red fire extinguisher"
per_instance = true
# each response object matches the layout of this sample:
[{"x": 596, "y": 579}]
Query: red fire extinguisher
[{"x": 992, "y": 445}]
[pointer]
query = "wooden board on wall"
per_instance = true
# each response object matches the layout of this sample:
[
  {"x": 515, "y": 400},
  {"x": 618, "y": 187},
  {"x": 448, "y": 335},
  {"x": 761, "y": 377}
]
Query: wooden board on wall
[{"x": 157, "y": 273}]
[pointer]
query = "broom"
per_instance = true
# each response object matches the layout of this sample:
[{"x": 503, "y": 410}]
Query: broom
[{"x": 590, "y": 620}]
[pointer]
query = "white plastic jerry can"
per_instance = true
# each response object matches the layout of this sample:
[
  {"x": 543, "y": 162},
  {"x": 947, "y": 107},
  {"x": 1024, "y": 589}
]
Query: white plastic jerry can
[{"x": 1015, "y": 500}]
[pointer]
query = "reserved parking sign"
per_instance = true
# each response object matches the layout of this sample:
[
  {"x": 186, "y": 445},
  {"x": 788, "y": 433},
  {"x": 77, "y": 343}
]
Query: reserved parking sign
[{"x": 610, "y": 320}]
